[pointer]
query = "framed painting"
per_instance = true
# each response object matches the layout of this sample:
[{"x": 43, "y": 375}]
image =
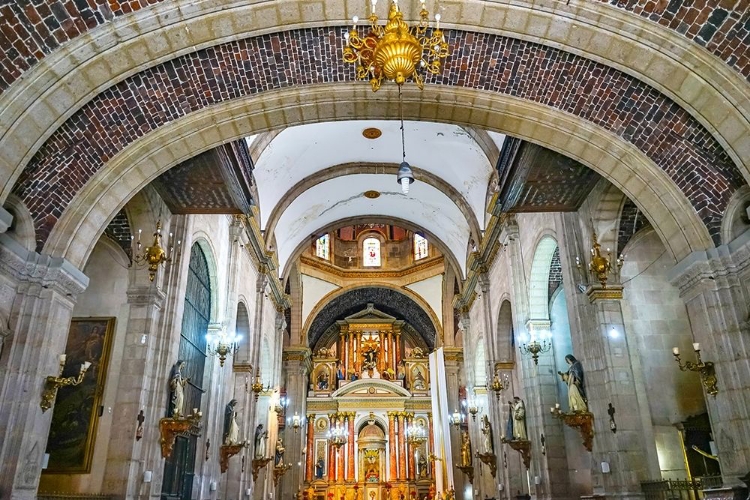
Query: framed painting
[{"x": 75, "y": 416}]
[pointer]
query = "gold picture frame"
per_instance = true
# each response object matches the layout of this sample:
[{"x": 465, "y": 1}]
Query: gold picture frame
[{"x": 75, "y": 416}]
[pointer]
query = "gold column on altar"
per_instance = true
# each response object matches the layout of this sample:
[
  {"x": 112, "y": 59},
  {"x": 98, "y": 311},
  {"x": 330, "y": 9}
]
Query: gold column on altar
[
  {"x": 350, "y": 358},
  {"x": 310, "y": 457},
  {"x": 397, "y": 332},
  {"x": 381, "y": 357},
  {"x": 392, "y": 445},
  {"x": 331, "y": 450},
  {"x": 350, "y": 455},
  {"x": 401, "y": 446},
  {"x": 340, "y": 454}
]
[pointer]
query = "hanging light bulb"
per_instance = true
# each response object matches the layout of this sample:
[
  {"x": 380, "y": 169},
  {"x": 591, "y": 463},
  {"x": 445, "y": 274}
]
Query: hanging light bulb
[{"x": 405, "y": 177}]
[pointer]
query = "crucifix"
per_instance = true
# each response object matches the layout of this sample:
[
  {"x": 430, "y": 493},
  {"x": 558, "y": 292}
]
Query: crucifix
[{"x": 139, "y": 430}]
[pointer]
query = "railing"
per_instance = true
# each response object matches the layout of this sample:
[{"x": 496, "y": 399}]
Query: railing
[
  {"x": 679, "y": 489},
  {"x": 71, "y": 496}
]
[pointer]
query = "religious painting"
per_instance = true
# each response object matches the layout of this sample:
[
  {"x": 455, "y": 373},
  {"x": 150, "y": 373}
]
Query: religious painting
[
  {"x": 322, "y": 379},
  {"x": 75, "y": 416}
]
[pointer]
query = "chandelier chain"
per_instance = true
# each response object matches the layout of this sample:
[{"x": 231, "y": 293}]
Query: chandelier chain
[{"x": 401, "y": 114}]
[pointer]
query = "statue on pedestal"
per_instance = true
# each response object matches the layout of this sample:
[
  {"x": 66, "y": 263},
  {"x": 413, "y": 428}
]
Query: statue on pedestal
[
  {"x": 231, "y": 434},
  {"x": 489, "y": 445},
  {"x": 279, "y": 454},
  {"x": 466, "y": 458},
  {"x": 261, "y": 437},
  {"x": 177, "y": 390},
  {"x": 519, "y": 419},
  {"x": 576, "y": 388}
]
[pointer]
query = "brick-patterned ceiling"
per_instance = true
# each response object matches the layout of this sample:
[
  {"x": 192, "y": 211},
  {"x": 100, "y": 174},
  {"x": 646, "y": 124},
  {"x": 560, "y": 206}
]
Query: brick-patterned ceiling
[
  {"x": 608, "y": 98},
  {"x": 32, "y": 29}
]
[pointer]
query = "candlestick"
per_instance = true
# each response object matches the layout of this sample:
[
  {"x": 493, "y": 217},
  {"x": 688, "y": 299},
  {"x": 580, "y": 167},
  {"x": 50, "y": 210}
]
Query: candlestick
[{"x": 676, "y": 351}]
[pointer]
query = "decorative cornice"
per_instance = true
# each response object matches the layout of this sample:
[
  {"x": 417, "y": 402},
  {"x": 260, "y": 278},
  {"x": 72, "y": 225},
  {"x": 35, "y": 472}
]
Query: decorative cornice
[
  {"x": 597, "y": 292},
  {"x": 265, "y": 261},
  {"x": 296, "y": 353},
  {"x": 711, "y": 269},
  {"x": 453, "y": 354},
  {"x": 31, "y": 268},
  {"x": 329, "y": 268},
  {"x": 146, "y": 296}
]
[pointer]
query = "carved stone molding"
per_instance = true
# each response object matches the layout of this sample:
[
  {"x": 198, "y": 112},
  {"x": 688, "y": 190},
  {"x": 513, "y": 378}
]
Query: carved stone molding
[
  {"x": 597, "y": 292},
  {"x": 145, "y": 296}
]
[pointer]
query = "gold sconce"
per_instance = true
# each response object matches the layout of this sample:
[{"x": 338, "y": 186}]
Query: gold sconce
[
  {"x": 457, "y": 418},
  {"x": 706, "y": 369},
  {"x": 53, "y": 383},
  {"x": 222, "y": 345},
  {"x": 154, "y": 254},
  {"x": 396, "y": 51},
  {"x": 296, "y": 422},
  {"x": 539, "y": 340},
  {"x": 473, "y": 407},
  {"x": 601, "y": 266},
  {"x": 257, "y": 386},
  {"x": 499, "y": 384}
]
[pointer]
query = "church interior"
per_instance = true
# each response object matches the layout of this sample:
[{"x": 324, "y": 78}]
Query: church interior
[{"x": 374, "y": 250}]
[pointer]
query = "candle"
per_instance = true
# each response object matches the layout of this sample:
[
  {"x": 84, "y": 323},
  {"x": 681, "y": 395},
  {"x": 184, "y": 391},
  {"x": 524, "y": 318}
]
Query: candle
[
  {"x": 62, "y": 359},
  {"x": 552, "y": 410},
  {"x": 195, "y": 410},
  {"x": 85, "y": 366},
  {"x": 696, "y": 346},
  {"x": 557, "y": 405},
  {"x": 437, "y": 21},
  {"x": 676, "y": 351}
]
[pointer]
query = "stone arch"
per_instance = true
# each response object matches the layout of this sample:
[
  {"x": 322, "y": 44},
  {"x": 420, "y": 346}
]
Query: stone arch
[
  {"x": 444, "y": 249},
  {"x": 539, "y": 279},
  {"x": 683, "y": 70},
  {"x": 399, "y": 302},
  {"x": 679, "y": 226},
  {"x": 737, "y": 216},
  {"x": 371, "y": 168}
]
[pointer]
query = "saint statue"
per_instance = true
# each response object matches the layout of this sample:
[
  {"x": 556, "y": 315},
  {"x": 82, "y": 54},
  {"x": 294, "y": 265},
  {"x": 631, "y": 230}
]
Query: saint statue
[
  {"x": 323, "y": 380},
  {"x": 466, "y": 458},
  {"x": 320, "y": 467},
  {"x": 261, "y": 437},
  {"x": 279, "y": 455},
  {"x": 400, "y": 371},
  {"x": 177, "y": 390},
  {"x": 489, "y": 446},
  {"x": 576, "y": 389},
  {"x": 519, "y": 420},
  {"x": 231, "y": 435},
  {"x": 419, "y": 381},
  {"x": 422, "y": 466},
  {"x": 339, "y": 371}
]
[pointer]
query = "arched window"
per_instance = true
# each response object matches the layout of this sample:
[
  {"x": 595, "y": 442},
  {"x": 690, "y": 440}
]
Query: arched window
[
  {"x": 421, "y": 247},
  {"x": 371, "y": 252},
  {"x": 323, "y": 247}
]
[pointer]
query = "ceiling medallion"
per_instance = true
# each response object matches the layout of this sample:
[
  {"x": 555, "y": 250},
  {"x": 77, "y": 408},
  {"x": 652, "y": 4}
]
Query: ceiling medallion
[
  {"x": 396, "y": 51},
  {"x": 372, "y": 133},
  {"x": 372, "y": 194}
]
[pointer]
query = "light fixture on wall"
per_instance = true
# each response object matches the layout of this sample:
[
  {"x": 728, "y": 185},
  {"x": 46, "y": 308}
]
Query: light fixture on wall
[
  {"x": 153, "y": 255},
  {"x": 473, "y": 407},
  {"x": 396, "y": 52},
  {"x": 296, "y": 422},
  {"x": 600, "y": 266},
  {"x": 416, "y": 435},
  {"x": 706, "y": 369},
  {"x": 222, "y": 344},
  {"x": 499, "y": 384},
  {"x": 53, "y": 383},
  {"x": 457, "y": 418},
  {"x": 539, "y": 342},
  {"x": 257, "y": 386}
]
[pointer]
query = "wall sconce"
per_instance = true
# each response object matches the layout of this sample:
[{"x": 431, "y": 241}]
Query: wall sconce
[
  {"x": 499, "y": 384},
  {"x": 337, "y": 436},
  {"x": 53, "y": 383},
  {"x": 222, "y": 345},
  {"x": 457, "y": 418},
  {"x": 296, "y": 422},
  {"x": 706, "y": 369},
  {"x": 473, "y": 407},
  {"x": 153, "y": 255},
  {"x": 534, "y": 347},
  {"x": 416, "y": 435},
  {"x": 601, "y": 266},
  {"x": 281, "y": 405}
]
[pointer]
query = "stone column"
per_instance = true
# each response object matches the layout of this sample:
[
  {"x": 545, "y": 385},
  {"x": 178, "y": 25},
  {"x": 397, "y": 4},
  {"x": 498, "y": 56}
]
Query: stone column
[
  {"x": 296, "y": 360},
  {"x": 135, "y": 387},
  {"x": 393, "y": 473},
  {"x": 46, "y": 289},
  {"x": 310, "y": 457},
  {"x": 453, "y": 360},
  {"x": 714, "y": 286},
  {"x": 401, "y": 446},
  {"x": 350, "y": 444},
  {"x": 610, "y": 366}
]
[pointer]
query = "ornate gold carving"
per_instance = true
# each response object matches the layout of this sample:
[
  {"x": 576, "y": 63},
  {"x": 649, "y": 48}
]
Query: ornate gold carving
[
  {"x": 169, "y": 428},
  {"x": 342, "y": 273},
  {"x": 490, "y": 460},
  {"x": 522, "y": 446},
  {"x": 372, "y": 133},
  {"x": 279, "y": 471},
  {"x": 257, "y": 465},
  {"x": 581, "y": 420},
  {"x": 468, "y": 470},
  {"x": 597, "y": 292},
  {"x": 226, "y": 452}
]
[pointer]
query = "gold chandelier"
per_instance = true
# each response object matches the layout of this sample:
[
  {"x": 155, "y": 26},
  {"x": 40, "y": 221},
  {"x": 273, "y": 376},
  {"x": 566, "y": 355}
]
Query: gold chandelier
[{"x": 396, "y": 52}]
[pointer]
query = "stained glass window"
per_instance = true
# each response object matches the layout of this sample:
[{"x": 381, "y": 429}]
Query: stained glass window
[
  {"x": 371, "y": 252},
  {"x": 322, "y": 247},
  {"x": 421, "y": 248}
]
